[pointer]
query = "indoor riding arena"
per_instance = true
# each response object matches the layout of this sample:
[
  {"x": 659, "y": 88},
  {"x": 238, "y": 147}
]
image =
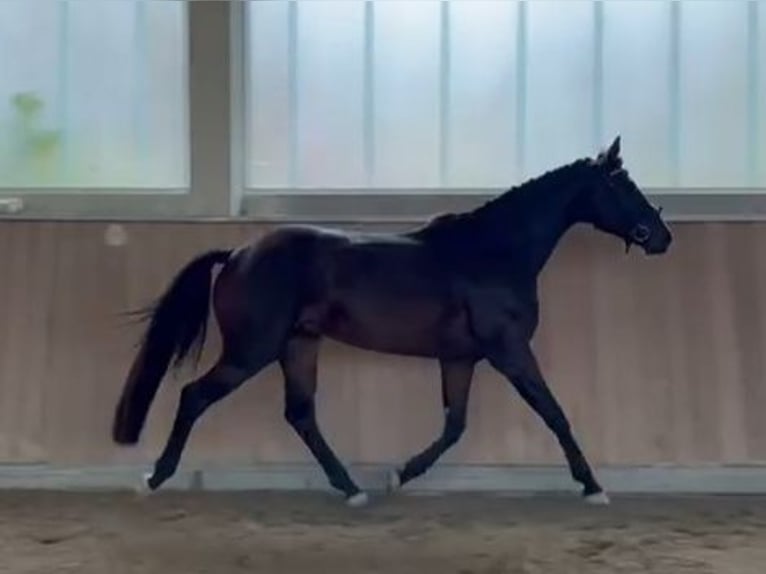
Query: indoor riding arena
[{"x": 378, "y": 286}]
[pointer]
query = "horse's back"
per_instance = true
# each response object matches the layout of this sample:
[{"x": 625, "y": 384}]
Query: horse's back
[{"x": 383, "y": 292}]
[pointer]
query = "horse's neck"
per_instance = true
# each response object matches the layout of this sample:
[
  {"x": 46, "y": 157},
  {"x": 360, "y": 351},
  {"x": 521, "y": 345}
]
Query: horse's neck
[
  {"x": 540, "y": 246},
  {"x": 532, "y": 224},
  {"x": 522, "y": 227}
]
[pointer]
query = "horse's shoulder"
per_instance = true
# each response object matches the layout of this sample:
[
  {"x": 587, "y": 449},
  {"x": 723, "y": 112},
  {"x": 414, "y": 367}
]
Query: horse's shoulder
[{"x": 496, "y": 306}]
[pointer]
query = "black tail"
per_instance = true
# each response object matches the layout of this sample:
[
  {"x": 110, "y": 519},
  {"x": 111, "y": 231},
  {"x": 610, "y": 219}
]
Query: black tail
[{"x": 178, "y": 324}]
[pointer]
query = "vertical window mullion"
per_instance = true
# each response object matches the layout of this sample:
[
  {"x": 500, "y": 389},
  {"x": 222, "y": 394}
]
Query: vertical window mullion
[
  {"x": 62, "y": 88},
  {"x": 210, "y": 134},
  {"x": 292, "y": 87},
  {"x": 369, "y": 92},
  {"x": 675, "y": 93},
  {"x": 140, "y": 39},
  {"x": 598, "y": 74},
  {"x": 753, "y": 93},
  {"x": 521, "y": 90},
  {"x": 444, "y": 93},
  {"x": 240, "y": 113}
]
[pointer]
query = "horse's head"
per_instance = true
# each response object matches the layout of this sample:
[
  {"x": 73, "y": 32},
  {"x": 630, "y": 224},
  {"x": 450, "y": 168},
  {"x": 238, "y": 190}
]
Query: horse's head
[{"x": 617, "y": 206}]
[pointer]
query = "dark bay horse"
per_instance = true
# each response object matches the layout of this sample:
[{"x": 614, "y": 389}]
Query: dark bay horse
[{"x": 460, "y": 289}]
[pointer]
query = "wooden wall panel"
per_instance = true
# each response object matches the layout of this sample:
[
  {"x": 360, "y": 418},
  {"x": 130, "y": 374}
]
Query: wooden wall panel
[
  {"x": 657, "y": 360},
  {"x": 26, "y": 279}
]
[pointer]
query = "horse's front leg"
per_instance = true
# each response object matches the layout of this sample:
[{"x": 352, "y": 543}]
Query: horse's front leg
[
  {"x": 512, "y": 356},
  {"x": 456, "y": 383}
]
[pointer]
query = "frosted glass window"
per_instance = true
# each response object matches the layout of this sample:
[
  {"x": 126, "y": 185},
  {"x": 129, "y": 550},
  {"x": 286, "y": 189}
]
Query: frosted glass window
[
  {"x": 93, "y": 94},
  {"x": 636, "y": 97},
  {"x": 500, "y": 90},
  {"x": 268, "y": 133},
  {"x": 329, "y": 88},
  {"x": 406, "y": 61},
  {"x": 713, "y": 94},
  {"x": 559, "y": 111},
  {"x": 483, "y": 84},
  {"x": 30, "y": 134}
]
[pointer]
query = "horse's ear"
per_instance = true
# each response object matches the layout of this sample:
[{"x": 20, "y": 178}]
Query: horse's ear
[
  {"x": 611, "y": 158},
  {"x": 613, "y": 153}
]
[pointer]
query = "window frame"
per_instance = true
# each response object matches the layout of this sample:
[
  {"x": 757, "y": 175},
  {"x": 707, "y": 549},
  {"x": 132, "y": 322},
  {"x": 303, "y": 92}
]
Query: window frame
[
  {"x": 216, "y": 33},
  {"x": 206, "y": 143}
]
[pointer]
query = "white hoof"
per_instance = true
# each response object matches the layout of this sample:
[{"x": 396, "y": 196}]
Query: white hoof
[
  {"x": 597, "y": 499},
  {"x": 394, "y": 480},
  {"x": 143, "y": 489},
  {"x": 358, "y": 500}
]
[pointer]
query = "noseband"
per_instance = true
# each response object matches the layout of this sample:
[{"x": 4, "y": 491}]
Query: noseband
[{"x": 640, "y": 234}]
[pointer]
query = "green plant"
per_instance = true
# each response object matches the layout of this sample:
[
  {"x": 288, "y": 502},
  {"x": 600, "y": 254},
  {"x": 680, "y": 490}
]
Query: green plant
[{"x": 30, "y": 151}]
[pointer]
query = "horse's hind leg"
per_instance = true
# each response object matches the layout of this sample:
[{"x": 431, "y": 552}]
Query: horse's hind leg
[
  {"x": 196, "y": 397},
  {"x": 252, "y": 333},
  {"x": 299, "y": 364},
  {"x": 456, "y": 385}
]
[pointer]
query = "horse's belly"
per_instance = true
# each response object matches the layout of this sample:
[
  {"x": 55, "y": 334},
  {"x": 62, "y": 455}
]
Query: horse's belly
[{"x": 405, "y": 327}]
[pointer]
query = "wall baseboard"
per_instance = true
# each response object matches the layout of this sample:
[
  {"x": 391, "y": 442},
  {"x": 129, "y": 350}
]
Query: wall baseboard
[{"x": 444, "y": 478}]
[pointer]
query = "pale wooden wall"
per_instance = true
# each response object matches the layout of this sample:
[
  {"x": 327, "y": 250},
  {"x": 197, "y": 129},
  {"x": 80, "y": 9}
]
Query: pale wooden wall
[{"x": 656, "y": 360}]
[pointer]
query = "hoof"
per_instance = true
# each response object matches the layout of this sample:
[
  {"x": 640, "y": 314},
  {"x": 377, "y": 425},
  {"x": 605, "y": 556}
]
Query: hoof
[
  {"x": 143, "y": 489},
  {"x": 597, "y": 499},
  {"x": 394, "y": 480},
  {"x": 358, "y": 500}
]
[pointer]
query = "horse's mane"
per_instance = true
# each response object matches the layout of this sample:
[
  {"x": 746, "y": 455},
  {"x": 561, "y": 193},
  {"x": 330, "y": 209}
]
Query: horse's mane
[{"x": 515, "y": 199}]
